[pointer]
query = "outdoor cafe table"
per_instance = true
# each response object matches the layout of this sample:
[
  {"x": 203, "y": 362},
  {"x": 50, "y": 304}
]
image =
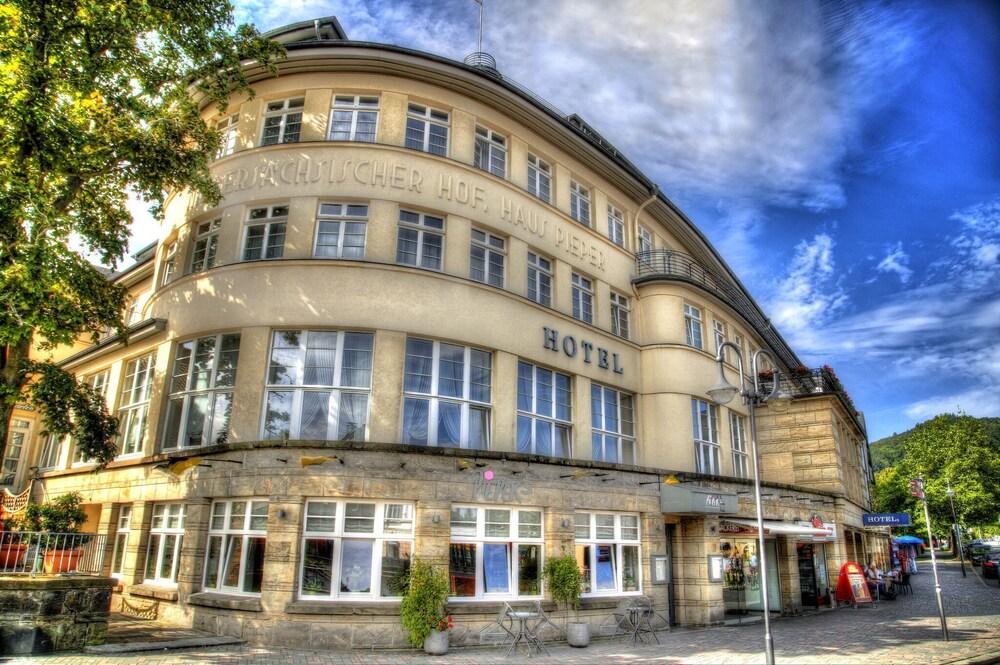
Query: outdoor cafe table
[{"x": 524, "y": 632}]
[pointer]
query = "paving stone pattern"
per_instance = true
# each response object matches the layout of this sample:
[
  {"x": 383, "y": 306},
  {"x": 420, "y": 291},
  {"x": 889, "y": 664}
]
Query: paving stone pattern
[{"x": 903, "y": 631}]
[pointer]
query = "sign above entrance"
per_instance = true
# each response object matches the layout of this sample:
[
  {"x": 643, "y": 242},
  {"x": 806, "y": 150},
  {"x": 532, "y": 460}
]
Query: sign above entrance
[
  {"x": 886, "y": 519},
  {"x": 684, "y": 500}
]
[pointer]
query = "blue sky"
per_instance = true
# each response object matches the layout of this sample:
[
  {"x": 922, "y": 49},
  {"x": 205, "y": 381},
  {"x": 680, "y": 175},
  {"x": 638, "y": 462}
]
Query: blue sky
[{"x": 844, "y": 158}]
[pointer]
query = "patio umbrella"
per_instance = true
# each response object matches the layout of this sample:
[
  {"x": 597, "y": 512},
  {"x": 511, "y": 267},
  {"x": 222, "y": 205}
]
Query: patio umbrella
[{"x": 909, "y": 540}]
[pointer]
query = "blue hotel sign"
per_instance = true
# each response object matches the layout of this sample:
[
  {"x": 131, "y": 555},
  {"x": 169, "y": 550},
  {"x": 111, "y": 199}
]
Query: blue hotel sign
[{"x": 886, "y": 519}]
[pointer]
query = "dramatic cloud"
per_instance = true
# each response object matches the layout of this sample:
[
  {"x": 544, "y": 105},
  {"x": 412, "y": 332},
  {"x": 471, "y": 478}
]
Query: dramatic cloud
[{"x": 896, "y": 261}]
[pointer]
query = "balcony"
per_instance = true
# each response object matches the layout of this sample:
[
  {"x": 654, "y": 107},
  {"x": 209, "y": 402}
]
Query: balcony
[{"x": 804, "y": 382}]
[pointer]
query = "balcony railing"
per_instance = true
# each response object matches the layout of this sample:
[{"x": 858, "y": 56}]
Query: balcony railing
[
  {"x": 38, "y": 553},
  {"x": 818, "y": 381},
  {"x": 667, "y": 264}
]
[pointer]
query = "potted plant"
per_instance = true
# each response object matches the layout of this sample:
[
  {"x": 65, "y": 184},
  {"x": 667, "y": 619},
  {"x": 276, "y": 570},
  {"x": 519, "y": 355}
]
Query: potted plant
[
  {"x": 563, "y": 577},
  {"x": 55, "y": 523},
  {"x": 12, "y": 545},
  {"x": 422, "y": 611}
]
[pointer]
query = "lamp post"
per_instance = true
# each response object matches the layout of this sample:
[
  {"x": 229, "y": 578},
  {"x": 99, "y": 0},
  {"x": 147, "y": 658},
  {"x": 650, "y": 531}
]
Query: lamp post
[
  {"x": 954, "y": 527},
  {"x": 723, "y": 392}
]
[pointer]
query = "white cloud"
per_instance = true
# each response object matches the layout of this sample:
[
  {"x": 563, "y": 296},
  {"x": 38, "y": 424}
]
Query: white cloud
[
  {"x": 979, "y": 402},
  {"x": 809, "y": 295},
  {"x": 896, "y": 261}
]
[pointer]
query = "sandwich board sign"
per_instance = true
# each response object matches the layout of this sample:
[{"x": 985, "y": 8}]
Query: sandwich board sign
[{"x": 852, "y": 587}]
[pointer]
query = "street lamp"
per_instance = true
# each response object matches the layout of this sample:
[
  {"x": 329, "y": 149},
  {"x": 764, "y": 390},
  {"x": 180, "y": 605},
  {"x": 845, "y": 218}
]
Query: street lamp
[
  {"x": 955, "y": 528},
  {"x": 722, "y": 392}
]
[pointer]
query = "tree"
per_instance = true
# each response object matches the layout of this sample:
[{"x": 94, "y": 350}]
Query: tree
[{"x": 96, "y": 98}]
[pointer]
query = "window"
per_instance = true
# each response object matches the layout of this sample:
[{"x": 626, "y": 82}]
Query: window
[
  {"x": 705, "y": 418},
  {"x": 169, "y": 263},
  {"x": 446, "y": 400},
  {"x": 206, "y": 244},
  {"x": 228, "y": 127},
  {"x": 738, "y": 434},
  {"x": 121, "y": 541},
  {"x": 318, "y": 384},
  {"x": 98, "y": 382},
  {"x": 355, "y": 550},
  {"x": 616, "y": 226},
  {"x": 692, "y": 326},
  {"x": 645, "y": 240},
  {"x": 354, "y": 118},
  {"x": 133, "y": 411},
  {"x": 719, "y": 333},
  {"x": 491, "y": 152},
  {"x": 495, "y": 552},
  {"x": 48, "y": 458},
  {"x": 613, "y": 422},
  {"x": 607, "y": 551},
  {"x": 619, "y": 314},
  {"x": 201, "y": 391},
  {"x": 166, "y": 533},
  {"x": 420, "y": 240},
  {"x": 427, "y": 129},
  {"x": 237, "y": 538},
  {"x": 579, "y": 203},
  {"x": 19, "y": 431},
  {"x": 739, "y": 341},
  {"x": 340, "y": 230},
  {"x": 486, "y": 258},
  {"x": 283, "y": 121},
  {"x": 134, "y": 312},
  {"x": 544, "y": 414},
  {"x": 539, "y": 178},
  {"x": 583, "y": 298},
  {"x": 265, "y": 237},
  {"x": 539, "y": 279}
]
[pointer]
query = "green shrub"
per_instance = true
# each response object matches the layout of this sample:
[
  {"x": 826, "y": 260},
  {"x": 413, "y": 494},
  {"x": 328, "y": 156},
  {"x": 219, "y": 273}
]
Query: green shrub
[
  {"x": 63, "y": 514},
  {"x": 423, "y": 606},
  {"x": 563, "y": 578}
]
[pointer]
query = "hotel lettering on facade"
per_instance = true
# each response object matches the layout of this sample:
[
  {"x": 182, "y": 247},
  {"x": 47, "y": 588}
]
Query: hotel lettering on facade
[{"x": 432, "y": 317}]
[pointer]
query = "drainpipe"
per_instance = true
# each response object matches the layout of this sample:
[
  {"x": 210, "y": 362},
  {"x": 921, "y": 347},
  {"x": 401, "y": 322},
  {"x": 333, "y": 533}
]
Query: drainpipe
[{"x": 653, "y": 195}]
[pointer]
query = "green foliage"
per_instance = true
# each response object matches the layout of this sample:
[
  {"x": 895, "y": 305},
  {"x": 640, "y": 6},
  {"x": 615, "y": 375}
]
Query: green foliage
[
  {"x": 97, "y": 99},
  {"x": 888, "y": 451},
  {"x": 564, "y": 579},
  {"x": 63, "y": 514},
  {"x": 423, "y": 606}
]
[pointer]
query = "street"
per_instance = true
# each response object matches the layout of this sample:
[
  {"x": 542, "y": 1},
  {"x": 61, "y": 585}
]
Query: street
[{"x": 906, "y": 630}]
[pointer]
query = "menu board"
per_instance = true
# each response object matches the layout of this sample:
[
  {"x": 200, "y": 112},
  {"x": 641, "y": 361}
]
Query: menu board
[{"x": 852, "y": 587}]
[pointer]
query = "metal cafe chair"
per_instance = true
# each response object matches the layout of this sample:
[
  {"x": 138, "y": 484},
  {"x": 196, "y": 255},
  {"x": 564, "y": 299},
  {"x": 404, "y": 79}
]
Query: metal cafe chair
[
  {"x": 617, "y": 622},
  {"x": 501, "y": 631},
  {"x": 543, "y": 621}
]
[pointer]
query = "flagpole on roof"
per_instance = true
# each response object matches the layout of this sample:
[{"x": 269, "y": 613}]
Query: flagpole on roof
[{"x": 482, "y": 9}]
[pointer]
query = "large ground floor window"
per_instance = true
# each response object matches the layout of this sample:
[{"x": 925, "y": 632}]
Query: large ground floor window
[
  {"x": 166, "y": 534},
  {"x": 237, "y": 537},
  {"x": 495, "y": 552},
  {"x": 607, "y": 551}
]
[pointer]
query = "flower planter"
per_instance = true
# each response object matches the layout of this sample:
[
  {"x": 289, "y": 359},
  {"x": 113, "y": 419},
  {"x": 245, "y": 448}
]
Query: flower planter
[
  {"x": 436, "y": 644},
  {"x": 61, "y": 561},
  {"x": 12, "y": 555},
  {"x": 578, "y": 634}
]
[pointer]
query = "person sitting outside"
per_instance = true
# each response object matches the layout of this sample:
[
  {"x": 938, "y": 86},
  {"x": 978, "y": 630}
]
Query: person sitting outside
[{"x": 876, "y": 583}]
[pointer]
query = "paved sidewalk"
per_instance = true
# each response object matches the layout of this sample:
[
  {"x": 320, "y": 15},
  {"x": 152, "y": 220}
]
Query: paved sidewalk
[{"x": 903, "y": 631}]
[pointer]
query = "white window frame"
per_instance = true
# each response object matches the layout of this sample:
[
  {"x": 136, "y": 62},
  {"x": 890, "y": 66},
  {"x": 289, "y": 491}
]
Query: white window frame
[
  {"x": 540, "y": 279},
  {"x": 740, "y": 341},
  {"x": 17, "y": 443},
  {"x": 99, "y": 382},
  {"x": 707, "y": 449},
  {"x": 490, "y": 250},
  {"x": 719, "y": 335},
  {"x": 692, "y": 327},
  {"x": 532, "y": 414},
  {"x": 206, "y": 242},
  {"x": 336, "y": 390},
  {"x": 514, "y": 538},
  {"x": 422, "y": 229},
  {"x": 435, "y": 398},
  {"x": 427, "y": 117},
  {"x": 539, "y": 178},
  {"x": 356, "y": 105},
  {"x": 490, "y": 152},
  {"x": 274, "y": 216},
  {"x": 169, "y": 264},
  {"x": 645, "y": 240},
  {"x": 159, "y": 525},
  {"x": 122, "y": 531},
  {"x": 620, "y": 435},
  {"x": 738, "y": 438},
  {"x": 378, "y": 536},
  {"x": 229, "y": 534},
  {"x": 133, "y": 407},
  {"x": 50, "y": 456},
  {"x": 285, "y": 108},
  {"x": 583, "y": 298},
  {"x": 211, "y": 433},
  {"x": 229, "y": 128},
  {"x": 620, "y": 315},
  {"x": 616, "y": 226},
  {"x": 579, "y": 203},
  {"x": 342, "y": 214},
  {"x": 620, "y": 540}
]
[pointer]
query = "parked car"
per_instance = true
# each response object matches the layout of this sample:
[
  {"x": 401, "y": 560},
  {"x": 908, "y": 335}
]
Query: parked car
[
  {"x": 979, "y": 553},
  {"x": 991, "y": 565}
]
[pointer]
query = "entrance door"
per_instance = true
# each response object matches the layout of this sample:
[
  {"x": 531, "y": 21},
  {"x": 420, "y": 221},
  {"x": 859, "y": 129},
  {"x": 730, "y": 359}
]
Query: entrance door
[{"x": 807, "y": 575}]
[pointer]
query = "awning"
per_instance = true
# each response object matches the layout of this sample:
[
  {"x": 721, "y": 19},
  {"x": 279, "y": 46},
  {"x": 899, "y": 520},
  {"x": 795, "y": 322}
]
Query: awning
[{"x": 785, "y": 528}]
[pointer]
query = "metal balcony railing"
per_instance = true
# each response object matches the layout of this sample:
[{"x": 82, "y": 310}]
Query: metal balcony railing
[
  {"x": 817, "y": 381},
  {"x": 43, "y": 553}
]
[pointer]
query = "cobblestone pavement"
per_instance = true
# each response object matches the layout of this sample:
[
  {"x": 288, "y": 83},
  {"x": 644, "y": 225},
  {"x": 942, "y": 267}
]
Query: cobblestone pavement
[{"x": 903, "y": 631}]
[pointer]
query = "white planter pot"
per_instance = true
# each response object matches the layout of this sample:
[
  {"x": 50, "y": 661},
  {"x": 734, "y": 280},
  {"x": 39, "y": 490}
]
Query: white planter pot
[
  {"x": 578, "y": 634},
  {"x": 436, "y": 643}
]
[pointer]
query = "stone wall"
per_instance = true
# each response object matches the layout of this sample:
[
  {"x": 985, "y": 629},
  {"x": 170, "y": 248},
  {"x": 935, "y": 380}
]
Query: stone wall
[{"x": 44, "y": 614}]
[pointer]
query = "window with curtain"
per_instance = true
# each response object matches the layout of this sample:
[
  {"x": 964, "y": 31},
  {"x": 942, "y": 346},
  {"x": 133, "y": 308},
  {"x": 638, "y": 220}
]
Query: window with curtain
[
  {"x": 318, "y": 385},
  {"x": 206, "y": 244},
  {"x": 446, "y": 395},
  {"x": 613, "y": 422},
  {"x": 340, "y": 230},
  {"x": 705, "y": 422},
  {"x": 540, "y": 178},
  {"x": 237, "y": 539},
  {"x": 491, "y": 152},
  {"x": 163, "y": 549},
  {"x": 419, "y": 240},
  {"x": 427, "y": 129},
  {"x": 495, "y": 553},
  {"x": 487, "y": 258},
  {"x": 201, "y": 391},
  {"x": 354, "y": 118},
  {"x": 265, "y": 233},
  {"x": 123, "y": 528},
  {"x": 283, "y": 121},
  {"x": 692, "y": 326},
  {"x": 738, "y": 435},
  {"x": 539, "y": 279},
  {"x": 355, "y": 549},
  {"x": 608, "y": 553},
  {"x": 133, "y": 411},
  {"x": 579, "y": 203},
  {"x": 544, "y": 413}
]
